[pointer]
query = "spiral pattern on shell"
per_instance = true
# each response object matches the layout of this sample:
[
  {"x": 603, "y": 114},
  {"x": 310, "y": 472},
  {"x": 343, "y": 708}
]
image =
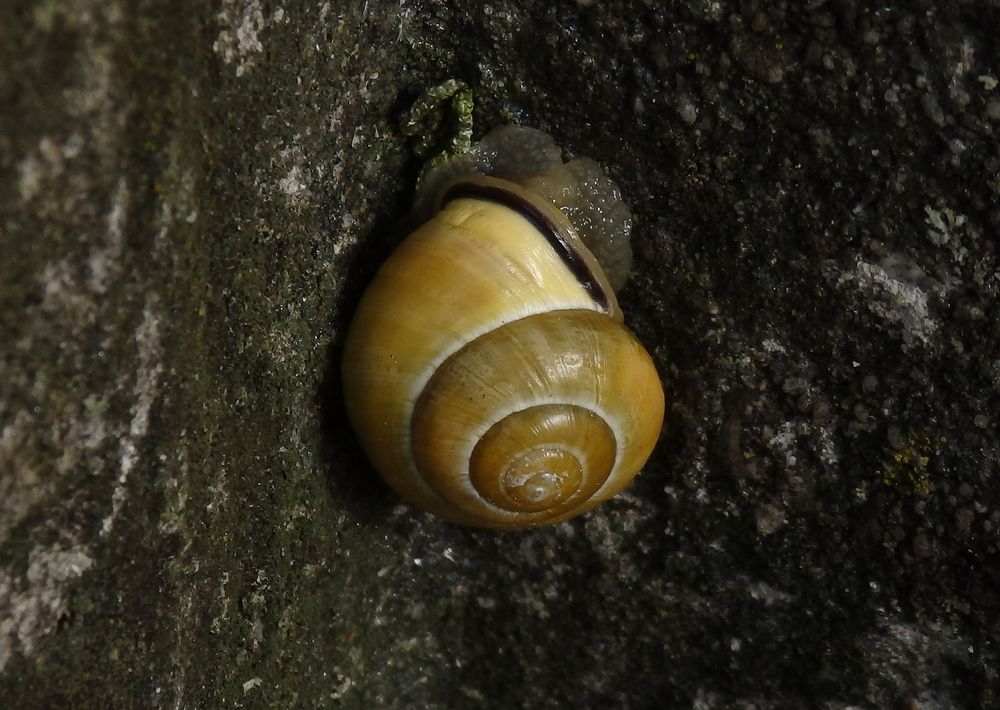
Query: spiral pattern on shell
[{"x": 543, "y": 412}]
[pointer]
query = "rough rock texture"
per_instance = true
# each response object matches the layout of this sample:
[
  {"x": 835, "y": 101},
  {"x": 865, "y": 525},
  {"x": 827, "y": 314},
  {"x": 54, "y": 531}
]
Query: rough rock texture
[{"x": 192, "y": 197}]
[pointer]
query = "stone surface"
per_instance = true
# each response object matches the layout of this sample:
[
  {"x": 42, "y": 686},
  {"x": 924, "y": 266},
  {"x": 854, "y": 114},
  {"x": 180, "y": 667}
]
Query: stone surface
[{"x": 192, "y": 198}]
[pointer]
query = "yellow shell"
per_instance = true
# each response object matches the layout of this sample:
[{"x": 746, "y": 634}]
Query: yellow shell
[{"x": 487, "y": 371}]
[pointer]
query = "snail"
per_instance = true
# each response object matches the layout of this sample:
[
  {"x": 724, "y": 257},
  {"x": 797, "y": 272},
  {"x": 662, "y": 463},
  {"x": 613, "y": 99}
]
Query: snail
[{"x": 487, "y": 371}]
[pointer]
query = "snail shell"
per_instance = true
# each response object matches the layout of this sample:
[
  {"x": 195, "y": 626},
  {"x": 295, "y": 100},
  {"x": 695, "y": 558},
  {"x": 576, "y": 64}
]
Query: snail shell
[{"x": 487, "y": 371}]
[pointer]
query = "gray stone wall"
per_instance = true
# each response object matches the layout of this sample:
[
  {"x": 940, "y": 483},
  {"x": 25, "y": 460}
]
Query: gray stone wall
[{"x": 192, "y": 198}]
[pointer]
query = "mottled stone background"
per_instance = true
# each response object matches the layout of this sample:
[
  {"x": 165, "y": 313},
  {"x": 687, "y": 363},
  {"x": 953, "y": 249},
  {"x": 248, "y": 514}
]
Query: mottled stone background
[{"x": 193, "y": 196}]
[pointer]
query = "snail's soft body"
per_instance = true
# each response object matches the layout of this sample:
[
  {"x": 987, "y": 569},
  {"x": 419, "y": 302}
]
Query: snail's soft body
[{"x": 487, "y": 371}]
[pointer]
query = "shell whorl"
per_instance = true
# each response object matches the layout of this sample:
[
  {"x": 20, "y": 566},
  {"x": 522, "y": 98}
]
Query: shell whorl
[
  {"x": 557, "y": 405},
  {"x": 545, "y": 458}
]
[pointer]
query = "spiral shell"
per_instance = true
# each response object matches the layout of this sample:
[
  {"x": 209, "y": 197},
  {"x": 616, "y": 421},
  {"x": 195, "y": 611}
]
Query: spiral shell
[{"x": 487, "y": 371}]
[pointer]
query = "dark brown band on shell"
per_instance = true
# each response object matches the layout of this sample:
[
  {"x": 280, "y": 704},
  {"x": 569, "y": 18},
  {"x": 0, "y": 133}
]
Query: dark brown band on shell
[{"x": 549, "y": 229}]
